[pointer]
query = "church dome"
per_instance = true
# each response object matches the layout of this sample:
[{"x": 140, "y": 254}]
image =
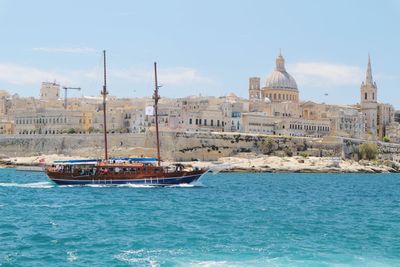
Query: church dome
[{"x": 279, "y": 78}]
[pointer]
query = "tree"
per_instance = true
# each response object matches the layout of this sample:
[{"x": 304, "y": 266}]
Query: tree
[
  {"x": 368, "y": 151},
  {"x": 71, "y": 131}
]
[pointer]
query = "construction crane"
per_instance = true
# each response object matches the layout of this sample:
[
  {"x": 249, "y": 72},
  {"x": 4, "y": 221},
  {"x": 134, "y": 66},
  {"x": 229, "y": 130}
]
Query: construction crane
[{"x": 65, "y": 94}]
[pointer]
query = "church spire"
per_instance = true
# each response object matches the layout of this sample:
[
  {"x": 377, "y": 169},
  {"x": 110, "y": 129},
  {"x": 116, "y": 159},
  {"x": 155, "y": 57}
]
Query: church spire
[{"x": 368, "y": 75}]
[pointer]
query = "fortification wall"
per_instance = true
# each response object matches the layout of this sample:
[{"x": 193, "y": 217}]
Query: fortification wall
[
  {"x": 386, "y": 151},
  {"x": 73, "y": 144},
  {"x": 211, "y": 146},
  {"x": 181, "y": 146}
]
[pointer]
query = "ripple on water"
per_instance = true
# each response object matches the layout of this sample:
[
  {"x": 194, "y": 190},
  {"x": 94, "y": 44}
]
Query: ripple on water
[
  {"x": 139, "y": 257},
  {"x": 235, "y": 219},
  {"x": 72, "y": 256}
]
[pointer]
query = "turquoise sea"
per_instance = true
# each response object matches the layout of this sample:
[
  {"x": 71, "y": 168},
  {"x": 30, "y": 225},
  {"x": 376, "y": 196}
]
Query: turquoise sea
[{"x": 230, "y": 219}]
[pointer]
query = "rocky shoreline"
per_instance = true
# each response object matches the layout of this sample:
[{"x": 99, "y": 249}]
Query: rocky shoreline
[
  {"x": 249, "y": 162},
  {"x": 300, "y": 164}
]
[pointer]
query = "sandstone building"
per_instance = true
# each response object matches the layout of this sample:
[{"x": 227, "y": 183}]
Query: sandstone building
[{"x": 273, "y": 109}]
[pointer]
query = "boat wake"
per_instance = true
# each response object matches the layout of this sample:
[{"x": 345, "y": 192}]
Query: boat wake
[
  {"x": 47, "y": 185},
  {"x": 197, "y": 184},
  {"x": 29, "y": 185}
]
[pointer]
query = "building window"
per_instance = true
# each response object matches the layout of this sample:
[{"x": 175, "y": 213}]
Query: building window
[
  {"x": 365, "y": 96},
  {"x": 373, "y": 96},
  {"x": 190, "y": 121}
]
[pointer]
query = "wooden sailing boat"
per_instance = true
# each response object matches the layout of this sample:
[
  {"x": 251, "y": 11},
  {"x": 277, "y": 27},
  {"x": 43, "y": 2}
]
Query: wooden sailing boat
[{"x": 141, "y": 171}]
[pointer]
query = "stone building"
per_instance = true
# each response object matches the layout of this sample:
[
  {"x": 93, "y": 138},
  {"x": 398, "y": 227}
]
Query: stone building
[
  {"x": 135, "y": 120},
  {"x": 258, "y": 122},
  {"x": 262, "y": 123},
  {"x": 5, "y": 102},
  {"x": 369, "y": 102},
  {"x": 393, "y": 132},
  {"x": 212, "y": 113},
  {"x": 48, "y": 121},
  {"x": 346, "y": 121},
  {"x": 201, "y": 114},
  {"x": 115, "y": 120},
  {"x": 7, "y": 127},
  {"x": 50, "y": 91},
  {"x": 397, "y": 116},
  {"x": 385, "y": 116},
  {"x": 280, "y": 85},
  {"x": 280, "y": 98},
  {"x": 254, "y": 89}
]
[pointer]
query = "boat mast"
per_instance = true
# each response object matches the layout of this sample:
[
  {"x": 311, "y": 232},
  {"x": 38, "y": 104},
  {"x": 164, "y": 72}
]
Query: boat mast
[
  {"x": 156, "y": 97},
  {"x": 104, "y": 93}
]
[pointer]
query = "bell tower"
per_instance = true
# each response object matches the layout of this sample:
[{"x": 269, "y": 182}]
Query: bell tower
[
  {"x": 369, "y": 103},
  {"x": 254, "y": 89}
]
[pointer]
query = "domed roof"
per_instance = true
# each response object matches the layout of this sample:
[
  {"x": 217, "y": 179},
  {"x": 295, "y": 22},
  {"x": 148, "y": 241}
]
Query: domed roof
[{"x": 279, "y": 78}]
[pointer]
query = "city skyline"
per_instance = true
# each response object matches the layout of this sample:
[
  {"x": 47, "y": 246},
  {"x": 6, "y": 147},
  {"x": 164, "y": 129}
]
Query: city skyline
[{"x": 202, "y": 48}]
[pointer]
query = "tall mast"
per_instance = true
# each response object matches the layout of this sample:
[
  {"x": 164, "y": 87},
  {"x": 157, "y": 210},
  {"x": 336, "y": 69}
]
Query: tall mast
[
  {"x": 104, "y": 93},
  {"x": 156, "y": 97}
]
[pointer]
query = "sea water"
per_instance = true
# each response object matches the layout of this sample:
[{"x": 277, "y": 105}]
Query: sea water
[{"x": 228, "y": 219}]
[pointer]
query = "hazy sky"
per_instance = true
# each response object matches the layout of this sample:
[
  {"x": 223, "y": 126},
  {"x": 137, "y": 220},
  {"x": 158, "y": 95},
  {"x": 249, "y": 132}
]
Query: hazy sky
[{"x": 207, "y": 47}]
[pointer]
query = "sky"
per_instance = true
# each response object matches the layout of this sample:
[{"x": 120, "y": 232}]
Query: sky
[{"x": 203, "y": 47}]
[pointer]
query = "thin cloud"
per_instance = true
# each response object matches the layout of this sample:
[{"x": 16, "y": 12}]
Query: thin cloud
[
  {"x": 25, "y": 75},
  {"x": 320, "y": 74},
  {"x": 70, "y": 50},
  {"x": 170, "y": 76}
]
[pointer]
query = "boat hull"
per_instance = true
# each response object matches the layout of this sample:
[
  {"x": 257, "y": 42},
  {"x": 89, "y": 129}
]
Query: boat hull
[{"x": 157, "y": 181}]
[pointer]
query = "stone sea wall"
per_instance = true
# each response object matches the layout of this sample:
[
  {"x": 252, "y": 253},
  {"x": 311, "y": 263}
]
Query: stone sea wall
[
  {"x": 211, "y": 146},
  {"x": 72, "y": 144},
  {"x": 180, "y": 146}
]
